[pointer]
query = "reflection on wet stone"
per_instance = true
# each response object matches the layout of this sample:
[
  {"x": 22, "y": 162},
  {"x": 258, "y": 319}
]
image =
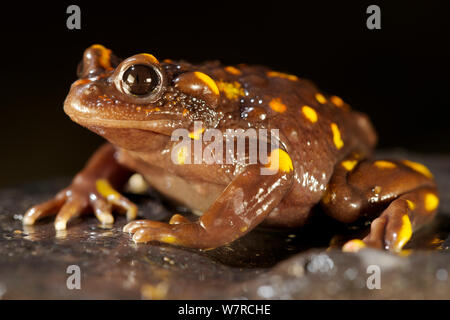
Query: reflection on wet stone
[{"x": 305, "y": 264}]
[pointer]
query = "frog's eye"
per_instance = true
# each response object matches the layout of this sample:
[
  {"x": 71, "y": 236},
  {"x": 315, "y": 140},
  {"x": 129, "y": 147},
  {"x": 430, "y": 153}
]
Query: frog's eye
[
  {"x": 140, "y": 77},
  {"x": 140, "y": 80}
]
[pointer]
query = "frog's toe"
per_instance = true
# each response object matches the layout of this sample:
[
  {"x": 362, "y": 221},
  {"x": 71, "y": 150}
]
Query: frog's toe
[
  {"x": 126, "y": 206},
  {"x": 353, "y": 245},
  {"x": 116, "y": 199},
  {"x": 143, "y": 235},
  {"x": 391, "y": 231},
  {"x": 42, "y": 210},
  {"x": 148, "y": 230},
  {"x": 162, "y": 234},
  {"x": 178, "y": 218},
  {"x": 102, "y": 210},
  {"x": 72, "y": 208},
  {"x": 133, "y": 226},
  {"x": 375, "y": 239}
]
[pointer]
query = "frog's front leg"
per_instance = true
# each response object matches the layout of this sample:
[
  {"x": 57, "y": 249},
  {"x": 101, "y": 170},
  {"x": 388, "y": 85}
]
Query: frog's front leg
[
  {"x": 402, "y": 194},
  {"x": 244, "y": 203},
  {"x": 92, "y": 189}
]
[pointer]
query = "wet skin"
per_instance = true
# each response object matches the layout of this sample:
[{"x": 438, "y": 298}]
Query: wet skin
[{"x": 323, "y": 156}]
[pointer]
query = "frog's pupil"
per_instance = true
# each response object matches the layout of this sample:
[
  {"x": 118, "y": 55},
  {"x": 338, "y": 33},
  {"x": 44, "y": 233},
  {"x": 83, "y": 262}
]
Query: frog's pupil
[{"x": 140, "y": 79}]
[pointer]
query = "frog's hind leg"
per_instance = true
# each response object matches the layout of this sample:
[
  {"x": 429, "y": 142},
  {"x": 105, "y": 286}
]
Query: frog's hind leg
[{"x": 402, "y": 191}]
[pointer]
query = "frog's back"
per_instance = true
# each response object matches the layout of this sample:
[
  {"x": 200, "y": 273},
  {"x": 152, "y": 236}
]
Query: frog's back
[
  {"x": 317, "y": 130},
  {"x": 310, "y": 121}
]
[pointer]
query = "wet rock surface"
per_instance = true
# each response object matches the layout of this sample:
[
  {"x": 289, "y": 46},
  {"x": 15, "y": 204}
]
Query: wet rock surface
[{"x": 263, "y": 265}]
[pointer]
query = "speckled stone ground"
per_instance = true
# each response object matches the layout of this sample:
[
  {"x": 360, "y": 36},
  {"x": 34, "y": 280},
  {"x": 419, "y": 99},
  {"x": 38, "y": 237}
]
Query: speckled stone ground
[{"x": 264, "y": 264}]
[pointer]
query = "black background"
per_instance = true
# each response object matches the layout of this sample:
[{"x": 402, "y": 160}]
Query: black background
[{"x": 399, "y": 75}]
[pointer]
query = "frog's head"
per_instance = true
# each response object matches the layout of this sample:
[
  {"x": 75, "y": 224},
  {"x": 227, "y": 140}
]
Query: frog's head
[{"x": 136, "y": 103}]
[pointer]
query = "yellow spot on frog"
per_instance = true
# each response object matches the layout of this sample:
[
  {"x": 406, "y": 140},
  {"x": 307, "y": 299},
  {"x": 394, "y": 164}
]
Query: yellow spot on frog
[
  {"x": 208, "y": 81},
  {"x": 105, "y": 56},
  {"x": 404, "y": 233},
  {"x": 81, "y": 82},
  {"x": 349, "y": 164},
  {"x": 196, "y": 134},
  {"x": 232, "y": 90},
  {"x": 337, "y": 136},
  {"x": 418, "y": 167},
  {"x": 106, "y": 190},
  {"x": 377, "y": 189},
  {"x": 431, "y": 202},
  {"x": 244, "y": 228},
  {"x": 383, "y": 164},
  {"x": 277, "y": 105},
  {"x": 310, "y": 113},
  {"x": 148, "y": 111},
  {"x": 320, "y": 98},
  {"x": 168, "y": 239},
  {"x": 338, "y": 102},
  {"x": 282, "y": 75},
  {"x": 280, "y": 160},
  {"x": 353, "y": 245},
  {"x": 233, "y": 70},
  {"x": 411, "y": 205},
  {"x": 327, "y": 196}
]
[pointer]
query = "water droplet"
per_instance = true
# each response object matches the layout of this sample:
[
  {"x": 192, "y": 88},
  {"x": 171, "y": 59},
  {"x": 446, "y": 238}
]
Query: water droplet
[{"x": 442, "y": 275}]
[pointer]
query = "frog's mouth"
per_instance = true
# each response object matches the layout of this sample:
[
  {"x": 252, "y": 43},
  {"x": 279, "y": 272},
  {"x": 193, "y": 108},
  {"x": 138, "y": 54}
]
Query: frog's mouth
[
  {"x": 133, "y": 135},
  {"x": 159, "y": 126}
]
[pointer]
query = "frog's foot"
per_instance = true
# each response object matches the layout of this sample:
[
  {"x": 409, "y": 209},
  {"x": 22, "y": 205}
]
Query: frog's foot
[
  {"x": 172, "y": 232},
  {"x": 75, "y": 200},
  {"x": 390, "y": 232},
  {"x": 179, "y": 231},
  {"x": 134, "y": 225},
  {"x": 394, "y": 227}
]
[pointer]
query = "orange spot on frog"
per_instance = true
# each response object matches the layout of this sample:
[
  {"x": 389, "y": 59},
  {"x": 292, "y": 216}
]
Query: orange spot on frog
[
  {"x": 282, "y": 75},
  {"x": 277, "y": 105}
]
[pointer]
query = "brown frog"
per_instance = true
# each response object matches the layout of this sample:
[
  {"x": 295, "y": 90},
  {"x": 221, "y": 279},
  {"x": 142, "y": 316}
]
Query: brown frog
[{"x": 322, "y": 156}]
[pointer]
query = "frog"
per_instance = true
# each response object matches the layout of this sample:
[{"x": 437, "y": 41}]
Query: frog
[{"x": 324, "y": 155}]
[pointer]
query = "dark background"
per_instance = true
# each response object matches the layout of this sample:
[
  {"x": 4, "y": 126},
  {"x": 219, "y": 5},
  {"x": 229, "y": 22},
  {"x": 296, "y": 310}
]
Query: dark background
[{"x": 399, "y": 75}]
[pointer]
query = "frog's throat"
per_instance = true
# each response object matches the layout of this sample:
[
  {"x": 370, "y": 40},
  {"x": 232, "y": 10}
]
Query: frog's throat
[{"x": 162, "y": 126}]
